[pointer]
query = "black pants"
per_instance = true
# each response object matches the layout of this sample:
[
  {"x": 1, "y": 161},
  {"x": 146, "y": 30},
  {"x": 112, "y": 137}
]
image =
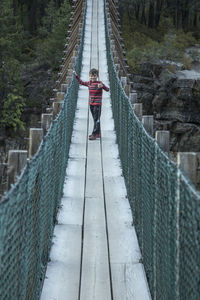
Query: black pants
[{"x": 96, "y": 113}]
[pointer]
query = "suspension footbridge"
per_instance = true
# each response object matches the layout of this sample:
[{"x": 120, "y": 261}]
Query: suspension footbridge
[
  {"x": 112, "y": 218},
  {"x": 95, "y": 253}
]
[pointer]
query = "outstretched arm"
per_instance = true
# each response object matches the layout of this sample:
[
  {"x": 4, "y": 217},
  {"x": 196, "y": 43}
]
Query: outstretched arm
[
  {"x": 103, "y": 86},
  {"x": 79, "y": 80}
]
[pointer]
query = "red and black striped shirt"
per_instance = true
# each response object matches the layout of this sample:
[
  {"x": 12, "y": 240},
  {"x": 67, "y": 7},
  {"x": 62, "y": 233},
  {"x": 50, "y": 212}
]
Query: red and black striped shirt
[{"x": 95, "y": 93}]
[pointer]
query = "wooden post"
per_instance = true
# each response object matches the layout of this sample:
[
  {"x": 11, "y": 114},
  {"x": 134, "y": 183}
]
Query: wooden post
[
  {"x": 113, "y": 48},
  {"x": 114, "y": 52},
  {"x": 117, "y": 66},
  {"x": 162, "y": 138},
  {"x": 116, "y": 60},
  {"x": 110, "y": 28},
  {"x": 70, "y": 72},
  {"x": 75, "y": 53},
  {"x": 16, "y": 162},
  {"x": 46, "y": 122},
  {"x": 137, "y": 107},
  {"x": 57, "y": 107},
  {"x": 49, "y": 110},
  {"x": 123, "y": 81},
  {"x": 73, "y": 60},
  {"x": 187, "y": 161},
  {"x": 121, "y": 73},
  {"x": 80, "y": 31},
  {"x": 60, "y": 96},
  {"x": 133, "y": 98},
  {"x": 68, "y": 80},
  {"x": 35, "y": 138},
  {"x": 70, "y": 65},
  {"x": 64, "y": 88},
  {"x": 127, "y": 89},
  {"x": 147, "y": 122}
]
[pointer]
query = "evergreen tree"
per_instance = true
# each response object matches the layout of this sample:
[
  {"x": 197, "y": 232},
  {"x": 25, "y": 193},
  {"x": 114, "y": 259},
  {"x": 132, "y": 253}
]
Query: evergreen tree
[
  {"x": 10, "y": 52},
  {"x": 54, "y": 27},
  {"x": 25, "y": 27},
  {"x": 185, "y": 13}
]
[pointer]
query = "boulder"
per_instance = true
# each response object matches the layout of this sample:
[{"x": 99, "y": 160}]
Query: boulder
[
  {"x": 185, "y": 137},
  {"x": 147, "y": 99},
  {"x": 148, "y": 69},
  {"x": 172, "y": 100}
]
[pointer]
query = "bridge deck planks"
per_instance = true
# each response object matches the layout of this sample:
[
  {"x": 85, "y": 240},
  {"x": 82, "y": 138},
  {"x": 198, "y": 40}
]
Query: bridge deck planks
[
  {"x": 128, "y": 280},
  {"x": 63, "y": 271},
  {"x": 58, "y": 282},
  {"x": 127, "y": 273},
  {"x": 94, "y": 231},
  {"x": 95, "y": 280}
]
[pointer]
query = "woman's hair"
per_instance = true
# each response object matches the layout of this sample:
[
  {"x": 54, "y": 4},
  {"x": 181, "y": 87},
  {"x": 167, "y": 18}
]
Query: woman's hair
[{"x": 94, "y": 72}]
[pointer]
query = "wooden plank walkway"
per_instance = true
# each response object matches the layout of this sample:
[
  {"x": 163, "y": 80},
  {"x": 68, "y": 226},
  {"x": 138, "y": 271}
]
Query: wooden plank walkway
[{"x": 95, "y": 253}]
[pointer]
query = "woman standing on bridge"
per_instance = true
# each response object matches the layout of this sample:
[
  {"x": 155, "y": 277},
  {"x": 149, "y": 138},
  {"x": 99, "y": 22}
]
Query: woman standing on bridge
[{"x": 95, "y": 95}]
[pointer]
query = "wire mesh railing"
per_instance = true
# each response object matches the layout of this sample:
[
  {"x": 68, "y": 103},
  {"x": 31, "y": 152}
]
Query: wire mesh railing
[
  {"x": 28, "y": 211},
  {"x": 165, "y": 206}
]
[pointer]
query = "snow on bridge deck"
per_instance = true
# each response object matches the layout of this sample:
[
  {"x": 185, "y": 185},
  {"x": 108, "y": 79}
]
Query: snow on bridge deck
[{"x": 95, "y": 253}]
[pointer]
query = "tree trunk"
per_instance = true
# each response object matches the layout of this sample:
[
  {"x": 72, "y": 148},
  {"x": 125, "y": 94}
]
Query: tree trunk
[
  {"x": 143, "y": 16},
  {"x": 14, "y": 7},
  {"x": 195, "y": 19},
  {"x": 33, "y": 16},
  {"x": 151, "y": 14},
  {"x": 158, "y": 12},
  {"x": 185, "y": 15},
  {"x": 137, "y": 11},
  {"x": 42, "y": 8},
  {"x": 178, "y": 14},
  {"x": 58, "y": 3}
]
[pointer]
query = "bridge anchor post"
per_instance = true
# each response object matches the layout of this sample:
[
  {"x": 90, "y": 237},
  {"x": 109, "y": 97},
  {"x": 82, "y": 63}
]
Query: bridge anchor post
[
  {"x": 16, "y": 162},
  {"x": 188, "y": 162},
  {"x": 133, "y": 98},
  {"x": 162, "y": 137},
  {"x": 57, "y": 107},
  {"x": 60, "y": 96},
  {"x": 35, "y": 138},
  {"x": 137, "y": 107},
  {"x": 147, "y": 122},
  {"x": 46, "y": 122}
]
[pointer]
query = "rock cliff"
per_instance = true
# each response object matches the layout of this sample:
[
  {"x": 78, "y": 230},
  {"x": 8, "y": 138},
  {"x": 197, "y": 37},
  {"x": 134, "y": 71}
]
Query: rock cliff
[{"x": 174, "y": 100}]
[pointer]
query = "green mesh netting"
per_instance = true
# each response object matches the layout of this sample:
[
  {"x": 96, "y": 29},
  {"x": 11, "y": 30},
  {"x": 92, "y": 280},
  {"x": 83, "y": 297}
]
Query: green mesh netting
[
  {"x": 28, "y": 211},
  {"x": 165, "y": 207}
]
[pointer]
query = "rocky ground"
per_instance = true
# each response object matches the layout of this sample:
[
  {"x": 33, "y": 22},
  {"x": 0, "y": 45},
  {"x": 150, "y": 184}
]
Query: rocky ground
[{"x": 173, "y": 97}]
